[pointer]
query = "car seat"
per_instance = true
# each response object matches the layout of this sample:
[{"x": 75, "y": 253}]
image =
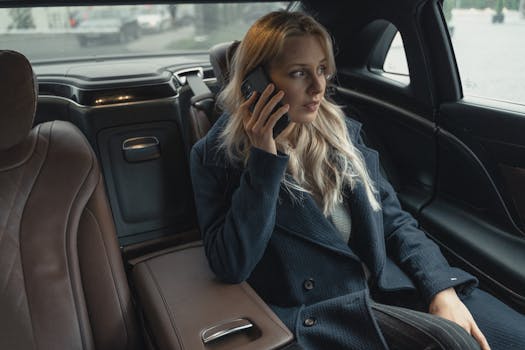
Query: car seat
[
  {"x": 62, "y": 281},
  {"x": 204, "y": 110}
]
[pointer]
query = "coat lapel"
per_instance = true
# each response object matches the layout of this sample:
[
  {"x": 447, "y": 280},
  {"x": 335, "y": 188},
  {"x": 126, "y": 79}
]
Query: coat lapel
[
  {"x": 367, "y": 238},
  {"x": 302, "y": 217}
]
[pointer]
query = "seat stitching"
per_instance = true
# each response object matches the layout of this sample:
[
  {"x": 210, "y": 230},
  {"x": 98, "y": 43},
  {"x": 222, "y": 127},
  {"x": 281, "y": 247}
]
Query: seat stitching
[
  {"x": 38, "y": 173},
  {"x": 15, "y": 197},
  {"x": 117, "y": 292},
  {"x": 76, "y": 297},
  {"x": 9, "y": 274},
  {"x": 166, "y": 305}
]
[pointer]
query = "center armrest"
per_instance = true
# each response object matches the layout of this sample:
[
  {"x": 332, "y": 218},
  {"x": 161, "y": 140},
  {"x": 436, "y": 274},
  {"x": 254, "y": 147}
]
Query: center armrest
[{"x": 186, "y": 307}]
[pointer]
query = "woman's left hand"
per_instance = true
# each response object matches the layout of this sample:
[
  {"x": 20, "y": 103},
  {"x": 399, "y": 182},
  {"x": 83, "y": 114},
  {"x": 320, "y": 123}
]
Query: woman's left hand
[{"x": 447, "y": 304}]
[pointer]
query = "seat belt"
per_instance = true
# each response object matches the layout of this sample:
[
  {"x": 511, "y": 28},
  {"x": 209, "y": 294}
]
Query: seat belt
[
  {"x": 202, "y": 103},
  {"x": 203, "y": 98},
  {"x": 197, "y": 85}
]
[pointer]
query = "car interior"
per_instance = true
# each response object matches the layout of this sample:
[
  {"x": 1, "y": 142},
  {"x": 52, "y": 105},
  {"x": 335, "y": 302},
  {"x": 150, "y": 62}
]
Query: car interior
[{"x": 99, "y": 241}]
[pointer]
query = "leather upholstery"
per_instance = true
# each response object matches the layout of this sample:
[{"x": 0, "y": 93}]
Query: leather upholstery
[
  {"x": 203, "y": 111},
  {"x": 18, "y": 84},
  {"x": 62, "y": 281},
  {"x": 181, "y": 299},
  {"x": 200, "y": 123},
  {"x": 221, "y": 57}
]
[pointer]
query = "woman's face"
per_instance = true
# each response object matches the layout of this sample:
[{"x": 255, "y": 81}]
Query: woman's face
[{"x": 300, "y": 71}]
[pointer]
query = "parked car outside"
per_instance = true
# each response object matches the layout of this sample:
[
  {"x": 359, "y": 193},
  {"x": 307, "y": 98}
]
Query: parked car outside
[
  {"x": 108, "y": 26},
  {"x": 154, "y": 18}
]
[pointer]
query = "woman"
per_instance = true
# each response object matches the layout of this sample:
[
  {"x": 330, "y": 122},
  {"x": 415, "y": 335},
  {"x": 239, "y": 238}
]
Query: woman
[{"x": 309, "y": 222}]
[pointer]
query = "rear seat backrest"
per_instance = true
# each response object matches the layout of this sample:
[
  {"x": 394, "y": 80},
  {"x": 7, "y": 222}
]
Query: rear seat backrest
[{"x": 62, "y": 281}]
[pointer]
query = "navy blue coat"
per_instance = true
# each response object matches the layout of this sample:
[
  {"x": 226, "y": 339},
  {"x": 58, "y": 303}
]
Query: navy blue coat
[{"x": 295, "y": 258}]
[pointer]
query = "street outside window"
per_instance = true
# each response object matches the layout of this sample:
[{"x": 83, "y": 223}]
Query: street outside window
[
  {"x": 488, "y": 41},
  {"x": 51, "y": 33}
]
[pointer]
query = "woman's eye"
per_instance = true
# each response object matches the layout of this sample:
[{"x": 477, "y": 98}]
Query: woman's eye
[
  {"x": 321, "y": 70},
  {"x": 297, "y": 74}
]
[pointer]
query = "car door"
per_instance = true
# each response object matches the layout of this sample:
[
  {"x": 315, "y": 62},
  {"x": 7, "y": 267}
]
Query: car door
[
  {"x": 456, "y": 162},
  {"x": 478, "y": 210}
]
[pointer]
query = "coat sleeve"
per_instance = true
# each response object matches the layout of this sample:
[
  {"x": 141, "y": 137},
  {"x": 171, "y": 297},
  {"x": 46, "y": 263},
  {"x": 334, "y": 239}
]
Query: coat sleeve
[
  {"x": 413, "y": 251},
  {"x": 236, "y": 227},
  {"x": 417, "y": 254}
]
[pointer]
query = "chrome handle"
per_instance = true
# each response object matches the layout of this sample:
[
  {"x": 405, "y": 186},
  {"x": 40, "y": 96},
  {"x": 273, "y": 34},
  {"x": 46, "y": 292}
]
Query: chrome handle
[
  {"x": 225, "y": 329},
  {"x": 139, "y": 142},
  {"x": 138, "y": 149}
]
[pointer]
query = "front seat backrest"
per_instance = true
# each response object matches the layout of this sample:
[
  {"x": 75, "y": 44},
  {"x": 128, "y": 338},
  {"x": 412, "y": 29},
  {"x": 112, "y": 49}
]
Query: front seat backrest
[
  {"x": 221, "y": 59},
  {"x": 204, "y": 111},
  {"x": 62, "y": 281}
]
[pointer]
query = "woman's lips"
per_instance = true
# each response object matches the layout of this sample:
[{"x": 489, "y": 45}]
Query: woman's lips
[{"x": 312, "y": 106}]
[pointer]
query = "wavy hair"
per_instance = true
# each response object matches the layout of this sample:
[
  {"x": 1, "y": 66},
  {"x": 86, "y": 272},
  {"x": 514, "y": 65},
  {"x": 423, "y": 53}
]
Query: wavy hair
[{"x": 323, "y": 159}]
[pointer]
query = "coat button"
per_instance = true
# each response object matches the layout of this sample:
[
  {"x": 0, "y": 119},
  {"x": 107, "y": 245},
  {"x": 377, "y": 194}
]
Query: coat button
[
  {"x": 310, "y": 321},
  {"x": 309, "y": 284}
]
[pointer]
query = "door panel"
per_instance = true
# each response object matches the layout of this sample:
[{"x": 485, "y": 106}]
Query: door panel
[
  {"x": 487, "y": 251},
  {"x": 496, "y": 138},
  {"x": 477, "y": 213},
  {"x": 149, "y": 191},
  {"x": 474, "y": 214},
  {"x": 405, "y": 143},
  {"x": 459, "y": 167}
]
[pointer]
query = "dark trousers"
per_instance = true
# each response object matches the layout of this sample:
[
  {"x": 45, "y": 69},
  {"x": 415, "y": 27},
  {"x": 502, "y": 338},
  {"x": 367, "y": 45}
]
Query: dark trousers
[
  {"x": 405, "y": 329},
  {"x": 503, "y": 326}
]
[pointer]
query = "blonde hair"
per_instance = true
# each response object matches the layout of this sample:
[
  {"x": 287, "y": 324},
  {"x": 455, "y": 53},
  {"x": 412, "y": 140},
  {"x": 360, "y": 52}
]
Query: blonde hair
[{"x": 322, "y": 157}]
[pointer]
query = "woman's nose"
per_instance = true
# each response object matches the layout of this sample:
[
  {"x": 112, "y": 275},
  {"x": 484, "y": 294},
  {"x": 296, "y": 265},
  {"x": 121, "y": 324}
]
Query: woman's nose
[{"x": 316, "y": 84}]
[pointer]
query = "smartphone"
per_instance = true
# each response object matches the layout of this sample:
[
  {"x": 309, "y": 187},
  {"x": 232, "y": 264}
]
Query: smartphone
[{"x": 257, "y": 80}]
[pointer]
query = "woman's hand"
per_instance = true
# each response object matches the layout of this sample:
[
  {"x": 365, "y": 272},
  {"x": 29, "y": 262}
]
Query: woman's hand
[
  {"x": 259, "y": 123},
  {"x": 447, "y": 304}
]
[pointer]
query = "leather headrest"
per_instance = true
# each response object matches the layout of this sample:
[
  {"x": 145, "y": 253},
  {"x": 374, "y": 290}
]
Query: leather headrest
[
  {"x": 18, "y": 96},
  {"x": 221, "y": 56}
]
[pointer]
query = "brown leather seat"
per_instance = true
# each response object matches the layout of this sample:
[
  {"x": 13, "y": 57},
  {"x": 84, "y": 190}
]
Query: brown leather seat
[{"x": 62, "y": 282}]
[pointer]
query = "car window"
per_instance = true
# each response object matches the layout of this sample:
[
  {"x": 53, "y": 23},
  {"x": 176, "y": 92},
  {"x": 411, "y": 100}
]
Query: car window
[
  {"x": 488, "y": 43},
  {"x": 395, "y": 65},
  {"x": 50, "y": 33},
  {"x": 488, "y": 40}
]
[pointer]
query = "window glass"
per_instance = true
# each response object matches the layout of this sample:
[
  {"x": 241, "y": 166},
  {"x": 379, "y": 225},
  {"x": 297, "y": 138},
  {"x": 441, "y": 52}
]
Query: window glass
[
  {"x": 489, "y": 42},
  {"x": 43, "y": 33},
  {"x": 395, "y": 66},
  {"x": 396, "y": 60}
]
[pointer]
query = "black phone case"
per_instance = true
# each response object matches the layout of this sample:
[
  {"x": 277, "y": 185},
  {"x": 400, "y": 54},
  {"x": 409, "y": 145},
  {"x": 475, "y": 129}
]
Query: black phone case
[{"x": 257, "y": 80}]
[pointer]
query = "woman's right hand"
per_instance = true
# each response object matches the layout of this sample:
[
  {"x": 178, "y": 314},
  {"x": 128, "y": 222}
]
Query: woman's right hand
[{"x": 259, "y": 123}]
